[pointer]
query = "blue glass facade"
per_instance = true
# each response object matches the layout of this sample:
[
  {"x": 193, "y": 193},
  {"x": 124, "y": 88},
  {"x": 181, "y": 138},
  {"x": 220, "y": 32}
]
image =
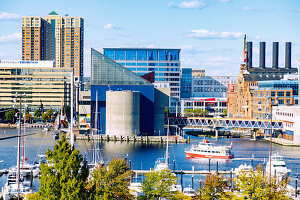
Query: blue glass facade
[
  {"x": 146, "y": 105},
  {"x": 146, "y": 60},
  {"x": 186, "y": 83}
]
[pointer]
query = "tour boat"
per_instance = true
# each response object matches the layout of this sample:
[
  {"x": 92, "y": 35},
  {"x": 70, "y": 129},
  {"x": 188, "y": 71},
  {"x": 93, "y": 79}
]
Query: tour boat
[
  {"x": 205, "y": 149},
  {"x": 278, "y": 168}
]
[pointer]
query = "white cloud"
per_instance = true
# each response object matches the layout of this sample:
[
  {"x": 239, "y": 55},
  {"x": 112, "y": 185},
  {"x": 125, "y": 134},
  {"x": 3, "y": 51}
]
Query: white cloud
[
  {"x": 205, "y": 34},
  {"x": 11, "y": 38},
  {"x": 9, "y": 16},
  {"x": 245, "y": 8},
  {"x": 225, "y": 1},
  {"x": 111, "y": 26},
  {"x": 192, "y": 4}
]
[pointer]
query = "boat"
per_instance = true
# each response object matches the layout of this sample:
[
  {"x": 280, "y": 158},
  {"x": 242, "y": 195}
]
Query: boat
[
  {"x": 243, "y": 168},
  {"x": 135, "y": 189},
  {"x": 10, "y": 191},
  {"x": 205, "y": 149},
  {"x": 188, "y": 191},
  {"x": 278, "y": 167}
]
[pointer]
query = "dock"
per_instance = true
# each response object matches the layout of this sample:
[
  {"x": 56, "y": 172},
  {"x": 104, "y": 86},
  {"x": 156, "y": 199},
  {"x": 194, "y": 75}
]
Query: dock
[
  {"x": 187, "y": 172},
  {"x": 141, "y": 139},
  {"x": 283, "y": 142}
]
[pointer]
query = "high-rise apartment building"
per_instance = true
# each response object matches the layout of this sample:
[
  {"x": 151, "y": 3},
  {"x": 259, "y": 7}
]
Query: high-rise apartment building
[{"x": 54, "y": 38}]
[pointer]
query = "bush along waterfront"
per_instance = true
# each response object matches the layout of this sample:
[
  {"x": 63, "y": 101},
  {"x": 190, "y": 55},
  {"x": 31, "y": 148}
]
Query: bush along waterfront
[{"x": 66, "y": 176}]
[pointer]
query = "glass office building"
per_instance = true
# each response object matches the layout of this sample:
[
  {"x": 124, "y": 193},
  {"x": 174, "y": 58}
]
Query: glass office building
[{"x": 164, "y": 62}]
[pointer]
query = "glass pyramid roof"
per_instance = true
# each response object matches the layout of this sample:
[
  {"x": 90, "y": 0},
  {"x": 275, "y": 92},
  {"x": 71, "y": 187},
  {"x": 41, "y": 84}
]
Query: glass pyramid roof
[{"x": 108, "y": 72}]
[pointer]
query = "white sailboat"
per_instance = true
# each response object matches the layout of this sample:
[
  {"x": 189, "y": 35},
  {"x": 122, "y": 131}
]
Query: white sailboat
[
  {"x": 97, "y": 159},
  {"x": 16, "y": 186}
]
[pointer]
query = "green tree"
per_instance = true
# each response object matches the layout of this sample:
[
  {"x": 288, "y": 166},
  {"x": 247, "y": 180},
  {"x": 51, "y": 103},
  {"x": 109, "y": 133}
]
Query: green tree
[
  {"x": 67, "y": 111},
  {"x": 157, "y": 184},
  {"x": 49, "y": 113},
  {"x": 44, "y": 117},
  {"x": 197, "y": 112},
  {"x": 256, "y": 185},
  {"x": 188, "y": 112},
  {"x": 28, "y": 117},
  {"x": 65, "y": 174},
  {"x": 37, "y": 114},
  {"x": 110, "y": 182},
  {"x": 10, "y": 115},
  {"x": 213, "y": 188},
  {"x": 167, "y": 112},
  {"x": 225, "y": 112}
]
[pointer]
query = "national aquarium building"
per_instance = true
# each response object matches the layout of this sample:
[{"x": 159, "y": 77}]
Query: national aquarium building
[{"x": 122, "y": 102}]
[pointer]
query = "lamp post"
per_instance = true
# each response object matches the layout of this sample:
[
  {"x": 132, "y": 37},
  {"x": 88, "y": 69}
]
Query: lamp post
[
  {"x": 19, "y": 141},
  {"x": 270, "y": 152}
]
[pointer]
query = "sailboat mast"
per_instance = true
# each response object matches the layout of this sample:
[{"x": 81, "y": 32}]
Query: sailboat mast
[
  {"x": 167, "y": 150},
  {"x": 72, "y": 110},
  {"x": 23, "y": 158}
]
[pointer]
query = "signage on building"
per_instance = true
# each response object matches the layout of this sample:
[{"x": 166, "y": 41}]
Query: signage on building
[{"x": 26, "y": 63}]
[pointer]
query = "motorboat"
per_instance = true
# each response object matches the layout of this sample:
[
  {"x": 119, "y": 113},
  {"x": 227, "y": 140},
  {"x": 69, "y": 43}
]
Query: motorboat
[
  {"x": 188, "y": 191},
  {"x": 136, "y": 189},
  {"x": 243, "y": 168},
  {"x": 278, "y": 167},
  {"x": 10, "y": 191},
  {"x": 205, "y": 149}
]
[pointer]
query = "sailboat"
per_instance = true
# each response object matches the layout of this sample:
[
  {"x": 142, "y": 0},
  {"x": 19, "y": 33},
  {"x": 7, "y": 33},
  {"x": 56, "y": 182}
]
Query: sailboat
[
  {"x": 96, "y": 156},
  {"x": 16, "y": 185}
]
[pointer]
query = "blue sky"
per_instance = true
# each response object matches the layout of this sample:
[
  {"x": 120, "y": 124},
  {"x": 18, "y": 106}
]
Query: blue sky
[{"x": 209, "y": 32}]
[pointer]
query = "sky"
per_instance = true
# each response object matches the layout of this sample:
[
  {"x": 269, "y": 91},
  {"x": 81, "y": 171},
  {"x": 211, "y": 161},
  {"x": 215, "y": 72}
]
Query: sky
[{"x": 208, "y": 32}]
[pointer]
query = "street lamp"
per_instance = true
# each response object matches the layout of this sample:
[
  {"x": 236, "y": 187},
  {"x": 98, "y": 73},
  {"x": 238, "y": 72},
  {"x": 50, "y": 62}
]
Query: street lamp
[{"x": 271, "y": 133}]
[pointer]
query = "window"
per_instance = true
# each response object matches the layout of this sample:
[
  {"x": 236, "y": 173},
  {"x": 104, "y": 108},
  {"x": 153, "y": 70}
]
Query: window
[
  {"x": 120, "y": 55},
  {"x": 130, "y": 64},
  {"x": 288, "y": 94},
  {"x": 152, "y": 55},
  {"x": 130, "y": 55},
  {"x": 141, "y": 55},
  {"x": 280, "y": 94},
  {"x": 174, "y": 55},
  {"x": 280, "y": 101},
  {"x": 273, "y": 93},
  {"x": 163, "y": 55}
]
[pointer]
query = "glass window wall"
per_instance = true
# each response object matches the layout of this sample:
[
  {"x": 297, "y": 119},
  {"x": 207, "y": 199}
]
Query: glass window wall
[
  {"x": 163, "y": 55},
  {"x": 152, "y": 54},
  {"x": 120, "y": 54},
  {"x": 130, "y": 55},
  {"x": 141, "y": 55}
]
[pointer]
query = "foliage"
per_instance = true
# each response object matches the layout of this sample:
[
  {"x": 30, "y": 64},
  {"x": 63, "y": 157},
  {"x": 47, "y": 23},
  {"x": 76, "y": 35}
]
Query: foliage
[
  {"x": 213, "y": 187},
  {"x": 65, "y": 174},
  {"x": 256, "y": 185},
  {"x": 44, "y": 117},
  {"x": 110, "y": 182},
  {"x": 167, "y": 112},
  {"x": 49, "y": 113},
  {"x": 157, "y": 184},
  {"x": 225, "y": 112},
  {"x": 195, "y": 112},
  {"x": 28, "y": 117},
  {"x": 37, "y": 113},
  {"x": 10, "y": 115},
  {"x": 181, "y": 196}
]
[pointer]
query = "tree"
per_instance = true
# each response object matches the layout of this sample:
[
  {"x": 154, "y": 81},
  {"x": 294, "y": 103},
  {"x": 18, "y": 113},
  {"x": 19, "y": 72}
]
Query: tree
[
  {"x": 167, "y": 112},
  {"x": 213, "y": 187},
  {"x": 37, "y": 113},
  {"x": 188, "y": 112},
  {"x": 28, "y": 117},
  {"x": 256, "y": 185},
  {"x": 157, "y": 184},
  {"x": 65, "y": 174},
  {"x": 49, "y": 113},
  {"x": 110, "y": 182},
  {"x": 225, "y": 112},
  {"x": 44, "y": 117},
  {"x": 10, "y": 115}
]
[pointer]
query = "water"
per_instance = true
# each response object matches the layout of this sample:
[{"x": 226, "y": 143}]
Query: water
[{"x": 143, "y": 156}]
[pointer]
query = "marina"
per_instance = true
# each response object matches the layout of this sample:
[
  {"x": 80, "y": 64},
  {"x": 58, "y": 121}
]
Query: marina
[{"x": 142, "y": 155}]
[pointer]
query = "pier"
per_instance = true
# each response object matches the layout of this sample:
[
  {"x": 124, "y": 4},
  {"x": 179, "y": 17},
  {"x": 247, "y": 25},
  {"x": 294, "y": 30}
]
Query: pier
[
  {"x": 187, "y": 172},
  {"x": 142, "y": 139}
]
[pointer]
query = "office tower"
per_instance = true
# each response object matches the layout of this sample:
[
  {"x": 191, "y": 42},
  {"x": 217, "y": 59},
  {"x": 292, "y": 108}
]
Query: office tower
[
  {"x": 164, "y": 62},
  {"x": 54, "y": 38}
]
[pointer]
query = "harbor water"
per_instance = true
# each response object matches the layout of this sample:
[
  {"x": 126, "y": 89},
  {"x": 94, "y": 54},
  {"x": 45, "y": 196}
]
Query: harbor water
[{"x": 144, "y": 155}]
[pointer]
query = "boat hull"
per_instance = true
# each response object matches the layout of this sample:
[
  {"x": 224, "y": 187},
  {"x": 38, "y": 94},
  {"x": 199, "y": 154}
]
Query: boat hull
[{"x": 197, "y": 155}]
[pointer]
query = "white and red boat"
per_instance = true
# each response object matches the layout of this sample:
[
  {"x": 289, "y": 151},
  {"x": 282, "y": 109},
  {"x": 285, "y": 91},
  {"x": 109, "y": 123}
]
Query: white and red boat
[{"x": 205, "y": 149}]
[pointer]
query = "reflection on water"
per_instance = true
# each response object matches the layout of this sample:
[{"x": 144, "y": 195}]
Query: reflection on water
[{"x": 143, "y": 156}]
